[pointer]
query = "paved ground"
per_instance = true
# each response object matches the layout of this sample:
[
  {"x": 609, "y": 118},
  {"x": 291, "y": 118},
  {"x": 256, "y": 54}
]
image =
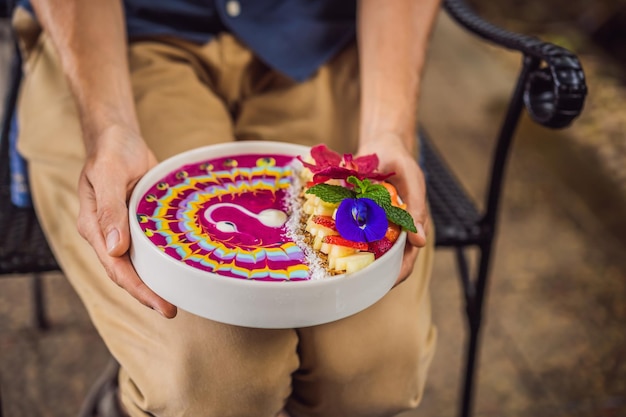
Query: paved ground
[{"x": 554, "y": 340}]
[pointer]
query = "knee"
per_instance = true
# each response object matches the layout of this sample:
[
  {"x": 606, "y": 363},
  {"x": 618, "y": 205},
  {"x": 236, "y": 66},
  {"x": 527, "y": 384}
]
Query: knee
[
  {"x": 185, "y": 388},
  {"x": 365, "y": 385}
]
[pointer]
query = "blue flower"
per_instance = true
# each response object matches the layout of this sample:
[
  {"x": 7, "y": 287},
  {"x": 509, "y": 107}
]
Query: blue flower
[{"x": 361, "y": 220}]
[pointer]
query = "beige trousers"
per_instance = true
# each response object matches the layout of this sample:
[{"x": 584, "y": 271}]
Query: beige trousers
[{"x": 371, "y": 364}]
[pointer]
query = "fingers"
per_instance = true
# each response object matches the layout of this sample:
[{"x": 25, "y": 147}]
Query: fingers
[
  {"x": 413, "y": 188},
  {"x": 418, "y": 239},
  {"x": 409, "y": 181},
  {"x": 396, "y": 156},
  {"x": 121, "y": 271},
  {"x": 108, "y": 209},
  {"x": 408, "y": 262},
  {"x": 416, "y": 205},
  {"x": 112, "y": 215},
  {"x": 96, "y": 227},
  {"x": 417, "y": 208}
]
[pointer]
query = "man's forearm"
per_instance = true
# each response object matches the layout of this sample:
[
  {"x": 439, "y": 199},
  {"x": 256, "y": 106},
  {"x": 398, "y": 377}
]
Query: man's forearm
[
  {"x": 393, "y": 38},
  {"x": 90, "y": 39}
]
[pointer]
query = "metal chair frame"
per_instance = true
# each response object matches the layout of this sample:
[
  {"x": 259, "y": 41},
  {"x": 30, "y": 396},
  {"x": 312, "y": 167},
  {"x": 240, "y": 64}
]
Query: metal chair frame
[
  {"x": 23, "y": 249},
  {"x": 551, "y": 86}
]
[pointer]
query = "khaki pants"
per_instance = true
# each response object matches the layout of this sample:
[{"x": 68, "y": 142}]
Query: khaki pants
[{"x": 371, "y": 364}]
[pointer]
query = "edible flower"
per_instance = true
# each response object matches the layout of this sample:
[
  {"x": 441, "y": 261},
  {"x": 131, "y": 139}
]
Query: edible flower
[
  {"x": 330, "y": 165},
  {"x": 361, "y": 220},
  {"x": 379, "y": 194}
]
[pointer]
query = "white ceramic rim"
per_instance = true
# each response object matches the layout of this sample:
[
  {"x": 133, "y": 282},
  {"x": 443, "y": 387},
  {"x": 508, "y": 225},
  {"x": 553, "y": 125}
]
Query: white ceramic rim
[{"x": 217, "y": 151}]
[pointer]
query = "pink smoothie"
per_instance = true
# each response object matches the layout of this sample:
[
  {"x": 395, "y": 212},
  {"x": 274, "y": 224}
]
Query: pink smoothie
[{"x": 226, "y": 216}]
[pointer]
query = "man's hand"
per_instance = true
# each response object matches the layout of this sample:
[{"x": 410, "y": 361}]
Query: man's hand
[
  {"x": 394, "y": 156},
  {"x": 90, "y": 39},
  {"x": 116, "y": 161},
  {"x": 390, "y": 86}
]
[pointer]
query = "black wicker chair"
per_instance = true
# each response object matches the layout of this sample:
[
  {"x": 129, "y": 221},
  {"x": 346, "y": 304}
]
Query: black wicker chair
[
  {"x": 551, "y": 86},
  {"x": 23, "y": 249}
]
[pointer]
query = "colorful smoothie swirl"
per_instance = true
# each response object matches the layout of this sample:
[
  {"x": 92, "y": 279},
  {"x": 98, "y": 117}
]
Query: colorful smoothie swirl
[
  {"x": 272, "y": 218},
  {"x": 226, "y": 216}
]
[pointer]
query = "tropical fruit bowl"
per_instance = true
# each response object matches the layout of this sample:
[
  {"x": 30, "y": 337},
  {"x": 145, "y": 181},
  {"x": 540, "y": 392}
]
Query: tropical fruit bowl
[{"x": 241, "y": 234}]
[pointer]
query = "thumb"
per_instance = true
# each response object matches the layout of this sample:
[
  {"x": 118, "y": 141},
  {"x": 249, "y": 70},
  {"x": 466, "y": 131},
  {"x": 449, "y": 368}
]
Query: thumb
[
  {"x": 112, "y": 213},
  {"x": 418, "y": 239}
]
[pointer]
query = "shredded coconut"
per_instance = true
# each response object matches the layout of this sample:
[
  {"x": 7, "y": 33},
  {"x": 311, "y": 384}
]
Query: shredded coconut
[{"x": 293, "y": 226}]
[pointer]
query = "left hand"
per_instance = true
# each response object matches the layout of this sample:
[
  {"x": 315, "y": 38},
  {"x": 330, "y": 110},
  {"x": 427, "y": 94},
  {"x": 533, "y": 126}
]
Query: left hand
[{"x": 395, "y": 156}]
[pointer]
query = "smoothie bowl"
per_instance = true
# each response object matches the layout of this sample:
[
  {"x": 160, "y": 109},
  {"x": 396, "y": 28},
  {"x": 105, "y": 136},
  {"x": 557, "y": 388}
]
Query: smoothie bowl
[{"x": 258, "y": 234}]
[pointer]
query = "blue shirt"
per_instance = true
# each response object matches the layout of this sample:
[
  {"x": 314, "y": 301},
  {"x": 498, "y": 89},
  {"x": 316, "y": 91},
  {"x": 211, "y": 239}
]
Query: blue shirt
[{"x": 294, "y": 37}]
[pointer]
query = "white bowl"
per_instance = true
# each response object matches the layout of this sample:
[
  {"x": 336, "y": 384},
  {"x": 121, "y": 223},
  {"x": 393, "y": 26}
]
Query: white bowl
[{"x": 261, "y": 304}]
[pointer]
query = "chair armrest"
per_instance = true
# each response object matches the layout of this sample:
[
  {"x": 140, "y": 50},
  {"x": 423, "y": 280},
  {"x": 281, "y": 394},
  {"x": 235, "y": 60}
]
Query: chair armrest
[
  {"x": 555, "y": 92},
  {"x": 456, "y": 217}
]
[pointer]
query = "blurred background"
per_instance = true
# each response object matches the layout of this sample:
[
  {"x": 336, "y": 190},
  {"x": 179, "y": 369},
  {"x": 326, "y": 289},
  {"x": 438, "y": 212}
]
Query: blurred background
[{"x": 554, "y": 340}]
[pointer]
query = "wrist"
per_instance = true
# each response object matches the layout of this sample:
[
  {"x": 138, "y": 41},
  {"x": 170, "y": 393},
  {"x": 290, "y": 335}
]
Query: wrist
[
  {"x": 387, "y": 141},
  {"x": 95, "y": 137}
]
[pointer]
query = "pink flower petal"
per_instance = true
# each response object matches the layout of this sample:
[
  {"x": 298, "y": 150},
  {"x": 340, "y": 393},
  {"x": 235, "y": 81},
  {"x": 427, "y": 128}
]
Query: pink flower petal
[
  {"x": 330, "y": 165},
  {"x": 338, "y": 173},
  {"x": 312, "y": 167},
  {"x": 378, "y": 176},
  {"x": 366, "y": 163},
  {"x": 325, "y": 157}
]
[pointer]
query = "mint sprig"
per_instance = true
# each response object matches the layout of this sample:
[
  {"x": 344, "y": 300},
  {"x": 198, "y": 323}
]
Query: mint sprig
[
  {"x": 365, "y": 189},
  {"x": 400, "y": 217},
  {"x": 331, "y": 193}
]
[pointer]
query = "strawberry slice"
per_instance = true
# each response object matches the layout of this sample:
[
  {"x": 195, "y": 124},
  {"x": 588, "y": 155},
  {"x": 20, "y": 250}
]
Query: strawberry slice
[
  {"x": 340, "y": 241},
  {"x": 380, "y": 247},
  {"x": 325, "y": 221}
]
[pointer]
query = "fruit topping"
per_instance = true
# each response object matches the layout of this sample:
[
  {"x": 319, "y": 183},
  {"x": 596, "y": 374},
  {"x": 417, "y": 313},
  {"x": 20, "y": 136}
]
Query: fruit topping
[
  {"x": 380, "y": 247},
  {"x": 354, "y": 216}
]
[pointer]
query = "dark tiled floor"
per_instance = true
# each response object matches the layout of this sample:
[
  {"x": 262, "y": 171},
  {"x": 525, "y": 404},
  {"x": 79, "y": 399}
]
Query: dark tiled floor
[
  {"x": 554, "y": 335},
  {"x": 45, "y": 373}
]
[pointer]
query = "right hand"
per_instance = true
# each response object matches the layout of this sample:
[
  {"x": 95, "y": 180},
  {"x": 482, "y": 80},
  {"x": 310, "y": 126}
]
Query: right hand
[
  {"x": 116, "y": 159},
  {"x": 395, "y": 155}
]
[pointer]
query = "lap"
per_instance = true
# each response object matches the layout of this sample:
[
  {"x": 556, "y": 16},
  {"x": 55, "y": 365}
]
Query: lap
[
  {"x": 375, "y": 362},
  {"x": 160, "y": 357},
  {"x": 180, "y": 108}
]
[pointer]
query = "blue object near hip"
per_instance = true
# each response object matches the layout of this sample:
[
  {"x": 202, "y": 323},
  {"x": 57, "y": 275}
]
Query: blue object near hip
[{"x": 20, "y": 190}]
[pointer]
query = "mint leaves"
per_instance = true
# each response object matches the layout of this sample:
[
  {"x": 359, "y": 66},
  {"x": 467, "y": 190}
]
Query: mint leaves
[
  {"x": 331, "y": 193},
  {"x": 400, "y": 217},
  {"x": 365, "y": 189}
]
